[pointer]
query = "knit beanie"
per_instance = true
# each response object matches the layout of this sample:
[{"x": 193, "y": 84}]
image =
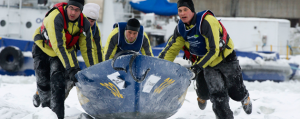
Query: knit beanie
[
  {"x": 133, "y": 24},
  {"x": 186, "y": 3},
  {"x": 77, "y": 3},
  {"x": 91, "y": 11}
]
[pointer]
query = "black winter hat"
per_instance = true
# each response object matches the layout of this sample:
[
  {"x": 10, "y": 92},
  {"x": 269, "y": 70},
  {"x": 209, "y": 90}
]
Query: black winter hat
[
  {"x": 187, "y": 3},
  {"x": 77, "y": 3},
  {"x": 133, "y": 24}
]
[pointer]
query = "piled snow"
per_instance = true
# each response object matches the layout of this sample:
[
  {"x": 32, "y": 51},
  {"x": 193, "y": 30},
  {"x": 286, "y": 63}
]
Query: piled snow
[
  {"x": 1, "y": 48},
  {"x": 17, "y": 79},
  {"x": 260, "y": 61},
  {"x": 16, "y": 94},
  {"x": 294, "y": 59},
  {"x": 270, "y": 101},
  {"x": 27, "y": 54}
]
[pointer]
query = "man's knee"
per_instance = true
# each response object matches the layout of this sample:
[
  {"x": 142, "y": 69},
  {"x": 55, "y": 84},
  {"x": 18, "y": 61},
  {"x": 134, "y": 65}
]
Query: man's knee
[
  {"x": 56, "y": 67},
  {"x": 221, "y": 95}
]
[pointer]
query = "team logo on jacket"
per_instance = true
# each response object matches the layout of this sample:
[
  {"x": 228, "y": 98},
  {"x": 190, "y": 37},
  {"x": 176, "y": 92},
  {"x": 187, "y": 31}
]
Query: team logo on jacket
[
  {"x": 194, "y": 43},
  {"x": 194, "y": 36}
]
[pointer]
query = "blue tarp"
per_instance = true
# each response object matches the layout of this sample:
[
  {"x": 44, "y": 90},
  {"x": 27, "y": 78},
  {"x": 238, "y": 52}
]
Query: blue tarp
[{"x": 159, "y": 7}]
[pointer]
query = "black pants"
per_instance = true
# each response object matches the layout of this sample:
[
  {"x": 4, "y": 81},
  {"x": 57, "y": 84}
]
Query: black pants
[
  {"x": 51, "y": 81},
  {"x": 219, "y": 83}
]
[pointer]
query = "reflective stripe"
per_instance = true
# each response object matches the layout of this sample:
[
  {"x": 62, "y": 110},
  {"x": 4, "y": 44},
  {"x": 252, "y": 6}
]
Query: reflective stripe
[
  {"x": 111, "y": 44},
  {"x": 73, "y": 54}
]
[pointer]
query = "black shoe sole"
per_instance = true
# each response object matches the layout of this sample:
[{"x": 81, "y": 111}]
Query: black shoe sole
[
  {"x": 202, "y": 106},
  {"x": 36, "y": 100}
]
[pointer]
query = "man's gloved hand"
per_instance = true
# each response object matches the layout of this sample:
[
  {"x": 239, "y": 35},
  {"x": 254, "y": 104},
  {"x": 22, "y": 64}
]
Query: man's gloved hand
[
  {"x": 72, "y": 71},
  {"x": 196, "y": 69}
]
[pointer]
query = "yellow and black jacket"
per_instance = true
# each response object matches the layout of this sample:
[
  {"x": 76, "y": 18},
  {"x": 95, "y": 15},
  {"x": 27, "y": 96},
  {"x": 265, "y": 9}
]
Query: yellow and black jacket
[
  {"x": 97, "y": 42},
  {"x": 210, "y": 30},
  {"x": 54, "y": 25},
  {"x": 111, "y": 45}
]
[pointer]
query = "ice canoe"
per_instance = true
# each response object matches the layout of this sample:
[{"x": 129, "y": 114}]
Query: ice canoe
[{"x": 133, "y": 86}]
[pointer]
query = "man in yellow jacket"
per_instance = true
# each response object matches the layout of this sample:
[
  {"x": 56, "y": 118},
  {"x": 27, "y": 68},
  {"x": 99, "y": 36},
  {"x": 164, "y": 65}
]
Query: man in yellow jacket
[
  {"x": 64, "y": 29},
  {"x": 209, "y": 47},
  {"x": 127, "y": 36},
  {"x": 91, "y": 11}
]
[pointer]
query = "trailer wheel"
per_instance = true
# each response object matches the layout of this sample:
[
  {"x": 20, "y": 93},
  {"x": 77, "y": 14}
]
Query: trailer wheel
[{"x": 11, "y": 59}]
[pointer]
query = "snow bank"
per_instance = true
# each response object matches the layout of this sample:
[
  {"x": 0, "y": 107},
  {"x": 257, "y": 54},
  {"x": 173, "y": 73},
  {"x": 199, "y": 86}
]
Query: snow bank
[{"x": 270, "y": 101}]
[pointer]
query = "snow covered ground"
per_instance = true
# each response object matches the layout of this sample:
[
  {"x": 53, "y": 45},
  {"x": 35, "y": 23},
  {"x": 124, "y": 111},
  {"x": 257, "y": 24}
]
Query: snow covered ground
[{"x": 270, "y": 101}]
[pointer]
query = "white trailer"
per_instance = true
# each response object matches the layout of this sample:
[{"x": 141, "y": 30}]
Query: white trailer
[{"x": 251, "y": 34}]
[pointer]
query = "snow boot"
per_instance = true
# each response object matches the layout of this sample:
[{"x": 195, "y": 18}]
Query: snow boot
[
  {"x": 36, "y": 100},
  {"x": 201, "y": 103},
  {"x": 247, "y": 105}
]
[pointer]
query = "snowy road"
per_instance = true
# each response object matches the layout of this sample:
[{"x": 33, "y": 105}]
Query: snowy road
[{"x": 272, "y": 101}]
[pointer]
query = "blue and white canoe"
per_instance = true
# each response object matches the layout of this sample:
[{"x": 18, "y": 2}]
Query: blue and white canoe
[{"x": 133, "y": 86}]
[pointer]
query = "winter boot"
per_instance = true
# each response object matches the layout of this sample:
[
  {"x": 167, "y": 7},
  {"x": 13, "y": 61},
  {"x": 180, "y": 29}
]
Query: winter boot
[
  {"x": 201, "y": 103},
  {"x": 247, "y": 105},
  {"x": 36, "y": 100}
]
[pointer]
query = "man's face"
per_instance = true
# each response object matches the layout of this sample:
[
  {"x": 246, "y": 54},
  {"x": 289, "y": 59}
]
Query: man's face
[
  {"x": 185, "y": 14},
  {"x": 131, "y": 35},
  {"x": 92, "y": 22},
  {"x": 73, "y": 12}
]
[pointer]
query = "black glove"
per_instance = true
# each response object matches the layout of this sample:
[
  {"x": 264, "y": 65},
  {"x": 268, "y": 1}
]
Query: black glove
[
  {"x": 196, "y": 69},
  {"x": 72, "y": 72}
]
